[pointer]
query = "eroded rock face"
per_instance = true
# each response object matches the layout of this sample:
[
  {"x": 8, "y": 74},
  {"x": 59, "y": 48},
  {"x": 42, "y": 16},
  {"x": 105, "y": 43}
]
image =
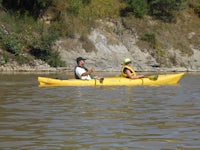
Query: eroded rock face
[{"x": 109, "y": 56}]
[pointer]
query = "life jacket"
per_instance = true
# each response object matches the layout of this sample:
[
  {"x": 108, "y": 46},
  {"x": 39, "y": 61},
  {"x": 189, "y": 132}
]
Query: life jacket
[
  {"x": 76, "y": 76},
  {"x": 129, "y": 68}
]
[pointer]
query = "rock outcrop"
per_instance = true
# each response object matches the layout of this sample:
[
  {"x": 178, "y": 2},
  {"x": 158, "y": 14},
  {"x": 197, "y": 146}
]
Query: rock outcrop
[{"x": 111, "y": 49}]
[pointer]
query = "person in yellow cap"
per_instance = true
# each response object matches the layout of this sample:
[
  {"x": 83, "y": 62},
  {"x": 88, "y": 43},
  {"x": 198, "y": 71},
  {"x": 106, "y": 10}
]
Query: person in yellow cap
[{"x": 127, "y": 71}]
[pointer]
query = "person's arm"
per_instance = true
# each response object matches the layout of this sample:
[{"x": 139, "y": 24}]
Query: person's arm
[
  {"x": 88, "y": 72},
  {"x": 128, "y": 72}
]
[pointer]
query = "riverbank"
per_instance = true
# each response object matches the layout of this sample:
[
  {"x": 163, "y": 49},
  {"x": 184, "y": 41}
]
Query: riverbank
[{"x": 39, "y": 66}]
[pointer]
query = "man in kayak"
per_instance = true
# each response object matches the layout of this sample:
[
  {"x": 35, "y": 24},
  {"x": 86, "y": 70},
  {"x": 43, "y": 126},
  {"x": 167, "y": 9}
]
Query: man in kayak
[
  {"x": 127, "y": 71},
  {"x": 81, "y": 72}
]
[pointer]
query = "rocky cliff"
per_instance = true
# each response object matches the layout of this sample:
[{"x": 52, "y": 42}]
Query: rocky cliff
[{"x": 111, "y": 48}]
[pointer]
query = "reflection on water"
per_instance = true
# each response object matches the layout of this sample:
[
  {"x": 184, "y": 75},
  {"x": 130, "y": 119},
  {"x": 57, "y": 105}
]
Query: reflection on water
[{"x": 163, "y": 117}]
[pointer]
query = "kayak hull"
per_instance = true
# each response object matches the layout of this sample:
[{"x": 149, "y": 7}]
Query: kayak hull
[{"x": 167, "y": 79}]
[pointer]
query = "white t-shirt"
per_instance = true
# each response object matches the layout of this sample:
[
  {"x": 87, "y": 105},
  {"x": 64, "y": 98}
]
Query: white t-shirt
[{"x": 80, "y": 71}]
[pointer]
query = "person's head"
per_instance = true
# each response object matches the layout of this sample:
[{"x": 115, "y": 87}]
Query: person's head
[
  {"x": 127, "y": 61},
  {"x": 80, "y": 61}
]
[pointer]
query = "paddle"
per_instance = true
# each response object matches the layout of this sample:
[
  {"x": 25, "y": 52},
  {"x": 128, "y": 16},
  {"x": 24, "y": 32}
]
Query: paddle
[
  {"x": 101, "y": 79},
  {"x": 150, "y": 77}
]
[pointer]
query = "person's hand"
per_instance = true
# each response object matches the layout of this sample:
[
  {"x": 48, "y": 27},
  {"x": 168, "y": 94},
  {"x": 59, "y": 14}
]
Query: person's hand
[
  {"x": 140, "y": 76},
  {"x": 92, "y": 70}
]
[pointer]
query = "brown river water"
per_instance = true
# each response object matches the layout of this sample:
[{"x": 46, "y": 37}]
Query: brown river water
[{"x": 92, "y": 118}]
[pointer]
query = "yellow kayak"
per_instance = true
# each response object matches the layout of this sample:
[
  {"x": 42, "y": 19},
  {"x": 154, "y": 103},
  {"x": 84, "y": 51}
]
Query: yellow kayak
[{"x": 167, "y": 79}]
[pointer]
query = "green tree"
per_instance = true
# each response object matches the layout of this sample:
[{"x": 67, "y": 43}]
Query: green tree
[
  {"x": 163, "y": 9},
  {"x": 74, "y": 6},
  {"x": 137, "y": 7},
  {"x": 33, "y": 7}
]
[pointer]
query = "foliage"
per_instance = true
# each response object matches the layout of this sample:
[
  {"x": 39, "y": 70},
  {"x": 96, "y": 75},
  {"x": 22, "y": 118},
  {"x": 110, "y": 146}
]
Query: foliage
[
  {"x": 197, "y": 10},
  {"x": 102, "y": 9},
  {"x": 42, "y": 48},
  {"x": 163, "y": 9},
  {"x": 196, "y": 6},
  {"x": 3, "y": 58},
  {"x": 54, "y": 60},
  {"x": 74, "y": 7},
  {"x": 1, "y": 4},
  {"x": 33, "y": 7},
  {"x": 150, "y": 38},
  {"x": 11, "y": 44},
  {"x": 28, "y": 34},
  {"x": 138, "y": 7},
  {"x": 156, "y": 51}
]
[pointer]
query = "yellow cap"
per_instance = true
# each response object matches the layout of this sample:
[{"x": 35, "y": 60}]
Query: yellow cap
[{"x": 127, "y": 60}]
